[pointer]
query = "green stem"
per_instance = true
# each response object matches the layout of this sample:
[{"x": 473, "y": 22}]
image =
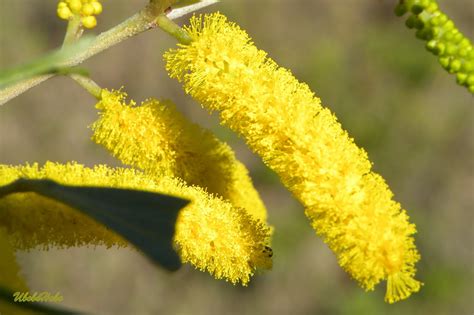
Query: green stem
[
  {"x": 87, "y": 83},
  {"x": 173, "y": 29},
  {"x": 74, "y": 31},
  {"x": 50, "y": 63},
  {"x": 138, "y": 23}
]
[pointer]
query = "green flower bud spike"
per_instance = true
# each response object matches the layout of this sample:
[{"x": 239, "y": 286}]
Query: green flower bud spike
[{"x": 455, "y": 52}]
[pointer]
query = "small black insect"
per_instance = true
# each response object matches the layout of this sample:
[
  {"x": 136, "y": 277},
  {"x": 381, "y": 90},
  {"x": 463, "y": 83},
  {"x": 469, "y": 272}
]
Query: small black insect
[{"x": 268, "y": 250}]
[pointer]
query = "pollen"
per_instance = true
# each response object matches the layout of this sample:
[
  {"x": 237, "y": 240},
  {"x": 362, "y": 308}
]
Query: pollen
[
  {"x": 281, "y": 119},
  {"x": 211, "y": 234},
  {"x": 87, "y": 10},
  {"x": 158, "y": 139}
]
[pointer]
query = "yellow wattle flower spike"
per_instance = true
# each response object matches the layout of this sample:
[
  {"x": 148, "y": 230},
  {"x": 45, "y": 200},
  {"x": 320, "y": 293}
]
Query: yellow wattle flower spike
[
  {"x": 211, "y": 234},
  {"x": 86, "y": 9},
  {"x": 158, "y": 139},
  {"x": 349, "y": 206}
]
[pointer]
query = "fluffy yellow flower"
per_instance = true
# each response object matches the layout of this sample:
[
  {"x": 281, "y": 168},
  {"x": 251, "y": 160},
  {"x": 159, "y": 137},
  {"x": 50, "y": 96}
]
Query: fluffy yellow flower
[
  {"x": 210, "y": 233},
  {"x": 349, "y": 206},
  {"x": 222, "y": 239},
  {"x": 158, "y": 139},
  {"x": 33, "y": 220},
  {"x": 86, "y": 9}
]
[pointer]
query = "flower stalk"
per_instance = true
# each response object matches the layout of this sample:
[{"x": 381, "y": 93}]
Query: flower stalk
[
  {"x": 88, "y": 84},
  {"x": 173, "y": 29},
  {"x": 211, "y": 233},
  {"x": 73, "y": 32},
  {"x": 142, "y": 21}
]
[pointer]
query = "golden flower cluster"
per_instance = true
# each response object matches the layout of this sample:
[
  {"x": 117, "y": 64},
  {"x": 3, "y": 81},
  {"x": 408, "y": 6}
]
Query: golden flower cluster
[
  {"x": 211, "y": 233},
  {"x": 86, "y": 9},
  {"x": 349, "y": 205}
]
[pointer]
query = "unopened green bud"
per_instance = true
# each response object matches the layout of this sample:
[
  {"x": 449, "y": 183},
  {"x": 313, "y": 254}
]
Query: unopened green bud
[
  {"x": 425, "y": 34},
  {"x": 441, "y": 47},
  {"x": 461, "y": 78},
  {"x": 443, "y": 18},
  {"x": 419, "y": 24},
  {"x": 417, "y": 9},
  {"x": 468, "y": 66},
  {"x": 432, "y": 7},
  {"x": 435, "y": 31},
  {"x": 424, "y": 3},
  {"x": 400, "y": 9},
  {"x": 444, "y": 61},
  {"x": 470, "y": 80},
  {"x": 463, "y": 52},
  {"x": 449, "y": 25},
  {"x": 451, "y": 49},
  {"x": 457, "y": 38},
  {"x": 434, "y": 21},
  {"x": 411, "y": 21},
  {"x": 455, "y": 66},
  {"x": 464, "y": 42},
  {"x": 432, "y": 46},
  {"x": 448, "y": 35},
  {"x": 455, "y": 52}
]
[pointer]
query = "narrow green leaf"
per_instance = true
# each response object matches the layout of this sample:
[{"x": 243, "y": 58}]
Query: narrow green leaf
[
  {"x": 36, "y": 307},
  {"x": 50, "y": 63},
  {"x": 144, "y": 218}
]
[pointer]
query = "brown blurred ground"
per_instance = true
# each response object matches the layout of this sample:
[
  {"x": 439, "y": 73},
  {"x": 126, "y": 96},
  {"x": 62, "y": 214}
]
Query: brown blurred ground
[{"x": 388, "y": 92}]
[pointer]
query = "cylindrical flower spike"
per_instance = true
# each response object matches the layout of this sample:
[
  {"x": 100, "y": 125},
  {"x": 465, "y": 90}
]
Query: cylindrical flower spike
[
  {"x": 349, "y": 206},
  {"x": 33, "y": 221},
  {"x": 211, "y": 234},
  {"x": 86, "y": 9},
  {"x": 158, "y": 139},
  {"x": 455, "y": 52}
]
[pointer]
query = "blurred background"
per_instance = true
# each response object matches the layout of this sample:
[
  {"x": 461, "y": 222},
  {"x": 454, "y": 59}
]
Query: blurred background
[{"x": 367, "y": 67}]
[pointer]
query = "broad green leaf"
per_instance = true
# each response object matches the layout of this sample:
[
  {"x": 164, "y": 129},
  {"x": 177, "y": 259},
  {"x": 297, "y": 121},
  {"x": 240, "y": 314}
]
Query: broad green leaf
[{"x": 144, "y": 218}]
